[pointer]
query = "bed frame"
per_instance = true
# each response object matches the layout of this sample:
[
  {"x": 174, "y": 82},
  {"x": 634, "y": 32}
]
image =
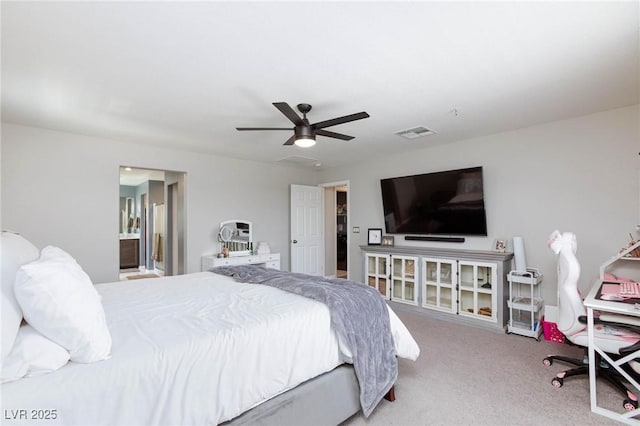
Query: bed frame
[{"x": 328, "y": 399}]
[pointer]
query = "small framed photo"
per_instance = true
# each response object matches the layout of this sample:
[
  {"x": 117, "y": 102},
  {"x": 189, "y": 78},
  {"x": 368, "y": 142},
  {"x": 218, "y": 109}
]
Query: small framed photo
[
  {"x": 387, "y": 240},
  {"x": 500, "y": 245},
  {"x": 374, "y": 237}
]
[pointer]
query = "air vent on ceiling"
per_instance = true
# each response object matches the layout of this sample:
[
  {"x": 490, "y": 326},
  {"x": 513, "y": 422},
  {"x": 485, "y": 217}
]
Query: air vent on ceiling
[
  {"x": 298, "y": 160},
  {"x": 415, "y": 132}
]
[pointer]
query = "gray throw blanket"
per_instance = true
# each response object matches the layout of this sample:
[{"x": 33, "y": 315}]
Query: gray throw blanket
[{"x": 358, "y": 314}]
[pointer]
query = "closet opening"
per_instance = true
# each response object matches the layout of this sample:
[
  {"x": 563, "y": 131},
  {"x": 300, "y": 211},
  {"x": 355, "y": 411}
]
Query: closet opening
[
  {"x": 336, "y": 227},
  {"x": 342, "y": 266}
]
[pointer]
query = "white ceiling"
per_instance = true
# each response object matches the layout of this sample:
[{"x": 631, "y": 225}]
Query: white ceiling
[{"x": 184, "y": 75}]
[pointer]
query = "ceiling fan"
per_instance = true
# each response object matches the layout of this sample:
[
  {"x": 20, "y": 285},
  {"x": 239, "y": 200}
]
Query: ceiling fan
[{"x": 304, "y": 133}]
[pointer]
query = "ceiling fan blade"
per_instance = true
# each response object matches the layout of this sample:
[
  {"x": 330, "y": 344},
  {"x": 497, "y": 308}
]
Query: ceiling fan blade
[
  {"x": 333, "y": 135},
  {"x": 340, "y": 120},
  {"x": 290, "y": 141},
  {"x": 264, "y": 128},
  {"x": 289, "y": 113}
]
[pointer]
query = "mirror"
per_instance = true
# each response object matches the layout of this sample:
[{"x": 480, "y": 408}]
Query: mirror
[
  {"x": 235, "y": 238},
  {"x": 128, "y": 220}
]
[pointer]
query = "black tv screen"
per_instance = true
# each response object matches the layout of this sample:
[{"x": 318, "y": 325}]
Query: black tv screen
[{"x": 442, "y": 203}]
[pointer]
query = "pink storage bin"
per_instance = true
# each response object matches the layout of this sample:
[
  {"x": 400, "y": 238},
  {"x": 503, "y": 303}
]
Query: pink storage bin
[{"x": 551, "y": 332}]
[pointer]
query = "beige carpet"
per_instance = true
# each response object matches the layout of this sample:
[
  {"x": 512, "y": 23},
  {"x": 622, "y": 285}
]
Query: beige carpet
[
  {"x": 470, "y": 376},
  {"x": 140, "y": 276}
]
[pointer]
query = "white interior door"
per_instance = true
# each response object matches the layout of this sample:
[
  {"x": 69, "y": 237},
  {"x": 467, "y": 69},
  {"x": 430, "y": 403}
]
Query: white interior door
[{"x": 307, "y": 255}]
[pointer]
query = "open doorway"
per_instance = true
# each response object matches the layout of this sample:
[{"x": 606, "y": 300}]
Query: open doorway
[
  {"x": 336, "y": 212},
  {"x": 152, "y": 230},
  {"x": 341, "y": 232}
]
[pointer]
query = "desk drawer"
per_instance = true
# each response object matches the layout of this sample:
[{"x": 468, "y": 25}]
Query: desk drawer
[{"x": 273, "y": 264}]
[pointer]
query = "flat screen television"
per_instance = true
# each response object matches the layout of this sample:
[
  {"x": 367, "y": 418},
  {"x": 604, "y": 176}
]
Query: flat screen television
[{"x": 442, "y": 203}]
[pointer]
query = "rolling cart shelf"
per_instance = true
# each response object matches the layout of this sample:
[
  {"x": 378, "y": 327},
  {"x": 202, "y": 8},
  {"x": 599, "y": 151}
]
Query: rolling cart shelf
[
  {"x": 526, "y": 307},
  {"x": 525, "y": 304}
]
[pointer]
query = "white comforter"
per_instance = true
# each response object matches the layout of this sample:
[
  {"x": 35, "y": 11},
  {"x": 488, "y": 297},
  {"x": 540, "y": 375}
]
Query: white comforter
[{"x": 191, "y": 349}]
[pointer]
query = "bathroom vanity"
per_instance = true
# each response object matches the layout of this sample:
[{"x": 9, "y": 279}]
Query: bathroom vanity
[{"x": 129, "y": 251}]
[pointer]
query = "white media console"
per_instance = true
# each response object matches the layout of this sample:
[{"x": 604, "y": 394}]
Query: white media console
[{"x": 465, "y": 285}]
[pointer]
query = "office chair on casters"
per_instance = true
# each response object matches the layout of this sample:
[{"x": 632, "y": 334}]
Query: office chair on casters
[{"x": 614, "y": 339}]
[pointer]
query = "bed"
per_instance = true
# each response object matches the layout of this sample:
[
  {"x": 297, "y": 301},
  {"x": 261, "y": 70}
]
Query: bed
[{"x": 202, "y": 348}]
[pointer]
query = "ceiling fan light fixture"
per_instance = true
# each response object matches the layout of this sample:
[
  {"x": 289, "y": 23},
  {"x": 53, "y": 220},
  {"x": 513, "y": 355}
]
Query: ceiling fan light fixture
[
  {"x": 305, "y": 141},
  {"x": 305, "y": 136}
]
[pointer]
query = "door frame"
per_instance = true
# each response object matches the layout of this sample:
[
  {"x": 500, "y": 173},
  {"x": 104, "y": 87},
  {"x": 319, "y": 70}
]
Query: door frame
[{"x": 176, "y": 248}]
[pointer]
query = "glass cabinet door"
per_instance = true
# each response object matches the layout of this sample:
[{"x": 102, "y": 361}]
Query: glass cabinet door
[
  {"x": 404, "y": 279},
  {"x": 377, "y": 272},
  {"x": 476, "y": 294},
  {"x": 438, "y": 283}
]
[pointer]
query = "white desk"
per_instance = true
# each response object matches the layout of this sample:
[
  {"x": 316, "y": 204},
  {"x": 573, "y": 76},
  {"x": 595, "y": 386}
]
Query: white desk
[
  {"x": 592, "y": 303},
  {"x": 271, "y": 260}
]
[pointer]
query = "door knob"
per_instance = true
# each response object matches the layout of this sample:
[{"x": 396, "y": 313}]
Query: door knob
[{"x": 295, "y": 241}]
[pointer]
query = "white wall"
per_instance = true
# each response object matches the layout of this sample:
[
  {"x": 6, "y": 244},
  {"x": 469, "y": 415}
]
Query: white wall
[
  {"x": 578, "y": 175},
  {"x": 63, "y": 189}
]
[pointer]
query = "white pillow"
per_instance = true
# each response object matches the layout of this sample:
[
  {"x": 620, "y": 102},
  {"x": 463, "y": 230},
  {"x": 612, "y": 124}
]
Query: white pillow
[
  {"x": 32, "y": 355},
  {"x": 58, "y": 299},
  {"x": 15, "y": 251}
]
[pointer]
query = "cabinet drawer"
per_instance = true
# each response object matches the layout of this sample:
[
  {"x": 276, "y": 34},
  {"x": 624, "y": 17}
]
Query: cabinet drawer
[
  {"x": 273, "y": 264},
  {"x": 225, "y": 261}
]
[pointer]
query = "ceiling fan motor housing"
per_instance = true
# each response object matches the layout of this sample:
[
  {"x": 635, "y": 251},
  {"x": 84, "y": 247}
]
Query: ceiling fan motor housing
[
  {"x": 304, "y": 108},
  {"x": 304, "y": 132}
]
